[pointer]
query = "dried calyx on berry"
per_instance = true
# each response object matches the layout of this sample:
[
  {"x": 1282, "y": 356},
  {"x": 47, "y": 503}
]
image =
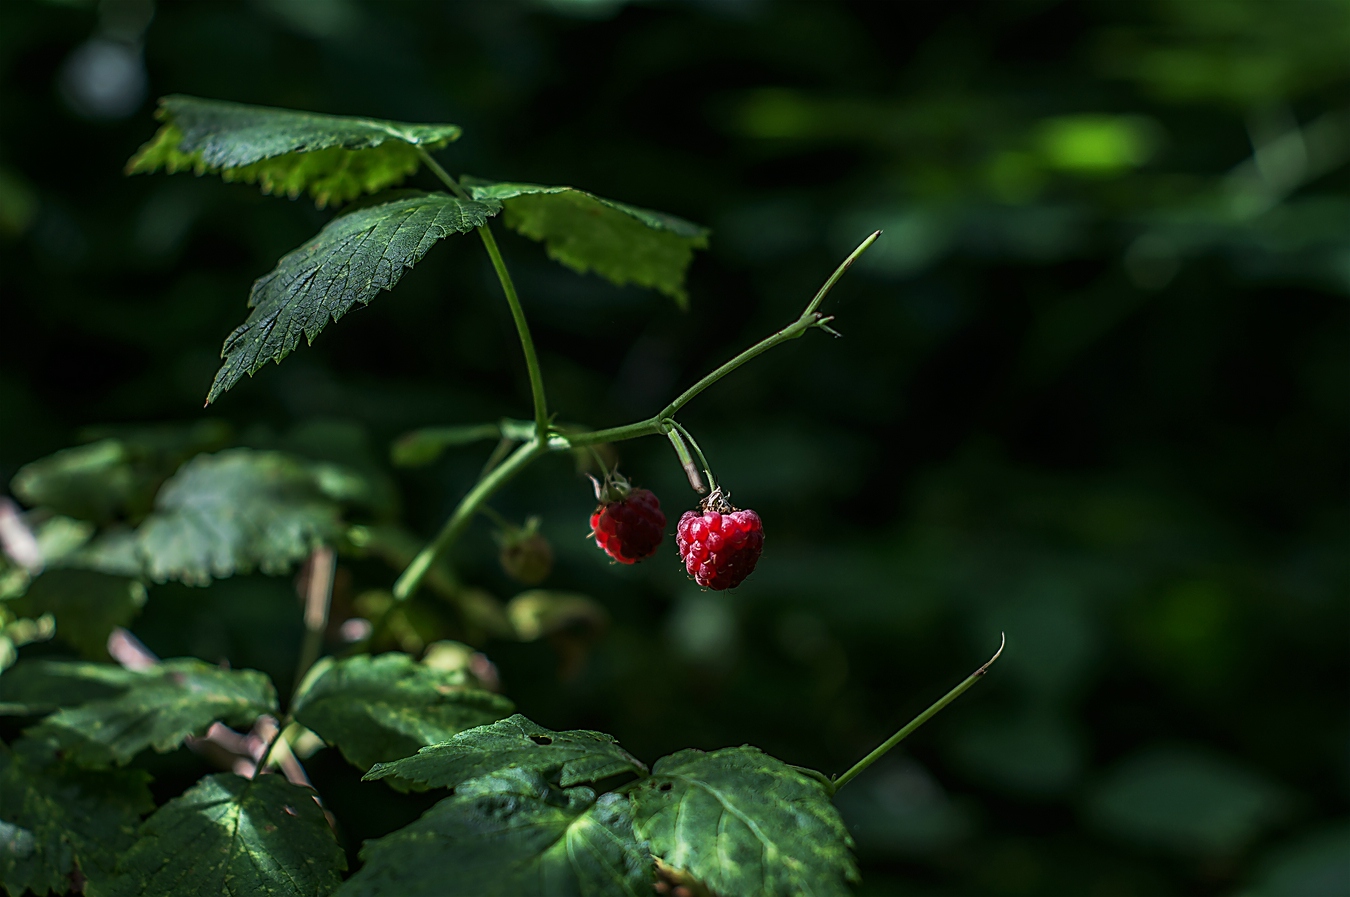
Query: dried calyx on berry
[
  {"x": 721, "y": 545},
  {"x": 628, "y": 523},
  {"x": 525, "y": 555}
]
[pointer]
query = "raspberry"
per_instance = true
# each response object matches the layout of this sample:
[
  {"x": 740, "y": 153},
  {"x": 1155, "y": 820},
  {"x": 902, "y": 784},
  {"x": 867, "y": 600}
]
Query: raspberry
[
  {"x": 720, "y": 546},
  {"x": 629, "y": 523}
]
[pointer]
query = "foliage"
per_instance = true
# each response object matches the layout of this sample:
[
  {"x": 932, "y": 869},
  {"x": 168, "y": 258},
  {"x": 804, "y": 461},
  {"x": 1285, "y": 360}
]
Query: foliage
[
  {"x": 1091, "y": 391},
  {"x": 61, "y": 823},
  {"x": 334, "y": 158},
  {"x": 349, "y": 262},
  {"x": 622, "y": 243},
  {"x": 382, "y": 708},
  {"x": 232, "y": 835},
  {"x": 512, "y": 833}
]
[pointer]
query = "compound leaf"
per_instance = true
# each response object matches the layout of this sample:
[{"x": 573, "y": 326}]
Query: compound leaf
[
  {"x": 742, "y": 822},
  {"x": 511, "y": 834},
  {"x": 233, "y": 836},
  {"x": 350, "y": 261},
  {"x": 59, "y": 822},
  {"x": 386, "y": 707},
  {"x": 334, "y": 157},
  {"x": 157, "y": 707},
  {"x": 574, "y": 756},
  {"x": 87, "y": 606},
  {"x": 240, "y": 510},
  {"x": 622, "y": 243}
]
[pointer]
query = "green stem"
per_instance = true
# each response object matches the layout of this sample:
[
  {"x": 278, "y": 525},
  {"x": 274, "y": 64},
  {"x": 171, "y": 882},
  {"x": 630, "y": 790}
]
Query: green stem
[
  {"x": 686, "y": 460},
  {"x": 702, "y": 459},
  {"x": 412, "y": 576},
  {"x": 512, "y": 299},
  {"x": 809, "y": 318},
  {"x": 522, "y": 329},
  {"x": 917, "y": 722},
  {"x": 654, "y": 425}
]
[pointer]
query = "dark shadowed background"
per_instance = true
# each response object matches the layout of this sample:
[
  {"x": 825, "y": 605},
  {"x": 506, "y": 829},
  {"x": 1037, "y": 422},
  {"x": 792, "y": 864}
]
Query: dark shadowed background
[{"x": 1092, "y": 388}]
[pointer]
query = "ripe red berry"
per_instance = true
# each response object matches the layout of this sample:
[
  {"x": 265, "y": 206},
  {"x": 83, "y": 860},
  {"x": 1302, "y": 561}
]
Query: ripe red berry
[
  {"x": 721, "y": 545},
  {"x": 629, "y": 523}
]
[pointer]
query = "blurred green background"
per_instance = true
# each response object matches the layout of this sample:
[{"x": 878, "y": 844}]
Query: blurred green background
[{"x": 1092, "y": 389}]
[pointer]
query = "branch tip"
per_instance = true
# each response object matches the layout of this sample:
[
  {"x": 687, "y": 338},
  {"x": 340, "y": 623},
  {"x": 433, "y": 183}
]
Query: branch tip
[{"x": 1002, "y": 641}]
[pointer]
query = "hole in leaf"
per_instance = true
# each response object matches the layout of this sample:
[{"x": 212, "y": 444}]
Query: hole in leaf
[
  {"x": 664, "y": 786},
  {"x": 541, "y": 739}
]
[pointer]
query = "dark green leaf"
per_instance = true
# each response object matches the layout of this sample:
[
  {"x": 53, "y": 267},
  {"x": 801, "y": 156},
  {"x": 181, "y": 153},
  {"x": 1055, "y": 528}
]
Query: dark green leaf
[
  {"x": 116, "y": 476},
  {"x": 350, "y": 261},
  {"x": 57, "y": 820},
  {"x": 511, "y": 834},
  {"x": 40, "y": 686},
  {"x": 334, "y": 157},
  {"x": 622, "y": 243},
  {"x": 240, "y": 510},
  {"x": 386, "y": 707},
  {"x": 157, "y": 707},
  {"x": 575, "y": 756},
  {"x": 86, "y": 605},
  {"x": 233, "y": 836},
  {"x": 742, "y": 822}
]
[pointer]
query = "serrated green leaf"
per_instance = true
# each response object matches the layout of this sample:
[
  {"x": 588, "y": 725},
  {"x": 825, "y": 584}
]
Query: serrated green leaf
[
  {"x": 116, "y": 476},
  {"x": 511, "y": 834},
  {"x": 237, "y": 511},
  {"x": 577, "y": 755},
  {"x": 334, "y": 157},
  {"x": 153, "y": 708},
  {"x": 350, "y": 261},
  {"x": 742, "y": 822},
  {"x": 87, "y": 606},
  {"x": 622, "y": 243},
  {"x": 382, "y": 708},
  {"x": 233, "y": 836},
  {"x": 57, "y": 820}
]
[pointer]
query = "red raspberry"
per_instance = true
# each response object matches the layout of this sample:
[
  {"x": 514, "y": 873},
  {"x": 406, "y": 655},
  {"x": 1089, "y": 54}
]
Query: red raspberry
[
  {"x": 721, "y": 546},
  {"x": 629, "y": 527}
]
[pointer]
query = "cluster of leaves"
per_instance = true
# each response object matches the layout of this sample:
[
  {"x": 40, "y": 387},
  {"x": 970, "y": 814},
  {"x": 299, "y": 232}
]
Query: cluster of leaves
[
  {"x": 523, "y": 815},
  {"x": 368, "y": 248}
]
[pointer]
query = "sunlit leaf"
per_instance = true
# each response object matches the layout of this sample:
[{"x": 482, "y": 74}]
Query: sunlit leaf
[
  {"x": 512, "y": 834},
  {"x": 233, "y": 836},
  {"x": 87, "y": 606},
  {"x": 333, "y": 157},
  {"x": 109, "y": 715},
  {"x": 240, "y": 510},
  {"x": 575, "y": 756},
  {"x": 742, "y": 822},
  {"x": 58, "y": 821},
  {"x": 622, "y": 243},
  {"x": 383, "y": 708},
  {"x": 349, "y": 262}
]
